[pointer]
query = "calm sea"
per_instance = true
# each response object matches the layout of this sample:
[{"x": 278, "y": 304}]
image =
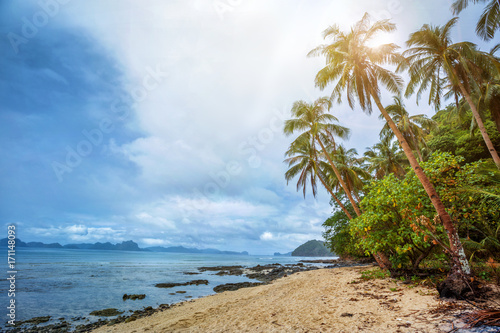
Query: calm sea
[{"x": 67, "y": 283}]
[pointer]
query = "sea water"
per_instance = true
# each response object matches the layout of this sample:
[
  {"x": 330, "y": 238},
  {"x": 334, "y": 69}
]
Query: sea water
[{"x": 70, "y": 283}]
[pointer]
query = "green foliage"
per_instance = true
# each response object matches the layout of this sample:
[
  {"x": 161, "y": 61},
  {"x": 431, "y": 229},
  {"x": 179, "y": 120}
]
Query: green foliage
[
  {"x": 454, "y": 136},
  {"x": 373, "y": 274},
  {"x": 337, "y": 234},
  {"x": 399, "y": 218}
]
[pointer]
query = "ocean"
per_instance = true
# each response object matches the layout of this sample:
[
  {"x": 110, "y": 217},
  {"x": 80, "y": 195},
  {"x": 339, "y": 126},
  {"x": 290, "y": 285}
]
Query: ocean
[{"x": 71, "y": 283}]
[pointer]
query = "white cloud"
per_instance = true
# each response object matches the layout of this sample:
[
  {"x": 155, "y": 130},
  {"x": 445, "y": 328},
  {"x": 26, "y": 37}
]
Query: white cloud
[
  {"x": 266, "y": 236},
  {"x": 79, "y": 233}
]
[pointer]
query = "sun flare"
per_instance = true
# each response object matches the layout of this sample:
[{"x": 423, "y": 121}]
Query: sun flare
[{"x": 379, "y": 40}]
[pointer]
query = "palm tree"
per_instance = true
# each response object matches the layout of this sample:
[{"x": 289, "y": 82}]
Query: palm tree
[
  {"x": 356, "y": 68},
  {"x": 315, "y": 123},
  {"x": 432, "y": 56},
  {"x": 351, "y": 169},
  {"x": 414, "y": 128},
  {"x": 385, "y": 158},
  {"x": 303, "y": 161},
  {"x": 488, "y": 23}
]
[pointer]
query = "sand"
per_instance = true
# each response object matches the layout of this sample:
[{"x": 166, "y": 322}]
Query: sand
[{"x": 325, "y": 300}]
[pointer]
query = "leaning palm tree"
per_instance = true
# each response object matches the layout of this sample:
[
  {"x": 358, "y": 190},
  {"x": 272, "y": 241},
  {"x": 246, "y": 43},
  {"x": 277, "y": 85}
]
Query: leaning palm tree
[
  {"x": 357, "y": 69},
  {"x": 384, "y": 158},
  {"x": 432, "y": 56},
  {"x": 313, "y": 121},
  {"x": 414, "y": 128},
  {"x": 303, "y": 160},
  {"x": 489, "y": 22}
]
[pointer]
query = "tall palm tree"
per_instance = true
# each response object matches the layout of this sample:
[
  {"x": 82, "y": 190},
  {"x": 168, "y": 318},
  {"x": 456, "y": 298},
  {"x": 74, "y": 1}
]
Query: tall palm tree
[
  {"x": 313, "y": 121},
  {"x": 303, "y": 160},
  {"x": 384, "y": 158},
  {"x": 488, "y": 23},
  {"x": 414, "y": 128},
  {"x": 357, "y": 69},
  {"x": 432, "y": 56}
]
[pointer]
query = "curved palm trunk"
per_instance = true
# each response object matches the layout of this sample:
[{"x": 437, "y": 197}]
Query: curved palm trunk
[
  {"x": 341, "y": 181},
  {"x": 328, "y": 188},
  {"x": 460, "y": 263},
  {"x": 480, "y": 123}
]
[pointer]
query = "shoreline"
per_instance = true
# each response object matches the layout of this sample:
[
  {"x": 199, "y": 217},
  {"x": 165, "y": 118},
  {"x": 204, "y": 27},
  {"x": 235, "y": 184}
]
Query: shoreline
[
  {"x": 296, "y": 298},
  {"x": 261, "y": 274},
  {"x": 323, "y": 300}
]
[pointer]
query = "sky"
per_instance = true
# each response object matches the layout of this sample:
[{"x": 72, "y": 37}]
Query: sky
[{"x": 161, "y": 121}]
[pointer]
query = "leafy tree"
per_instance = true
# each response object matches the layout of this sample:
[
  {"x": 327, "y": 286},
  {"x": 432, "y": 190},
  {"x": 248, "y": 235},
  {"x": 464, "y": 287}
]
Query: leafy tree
[
  {"x": 384, "y": 226},
  {"x": 399, "y": 218},
  {"x": 454, "y": 135},
  {"x": 338, "y": 237}
]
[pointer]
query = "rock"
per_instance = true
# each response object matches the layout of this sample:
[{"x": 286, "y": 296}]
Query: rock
[
  {"x": 106, "y": 312},
  {"x": 171, "y": 285},
  {"x": 235, "y": 286},
  {"x": 456, "y": 286},
  {"x": 133, "y": 296},
  {"x": 224, "y": 270},
  {"x": 181, "y": 292},
  {"x": 35, "y": 320}
]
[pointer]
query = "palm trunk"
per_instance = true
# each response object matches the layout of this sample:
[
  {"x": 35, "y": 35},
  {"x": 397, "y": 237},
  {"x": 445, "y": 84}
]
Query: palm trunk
[
  {"x": 480, "y": 123},
  {"x": 341, "y": 181},
  {"x": 460, "y": 263},
  {"x": 328, "y": 188}
]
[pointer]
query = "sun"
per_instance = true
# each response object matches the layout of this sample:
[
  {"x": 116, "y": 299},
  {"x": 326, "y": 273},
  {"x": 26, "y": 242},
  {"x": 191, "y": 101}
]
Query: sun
[{"x": 379, "y": 40}]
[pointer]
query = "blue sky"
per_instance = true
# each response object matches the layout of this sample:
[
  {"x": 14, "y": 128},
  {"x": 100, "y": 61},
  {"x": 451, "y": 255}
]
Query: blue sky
[{"x": 160, "y": 121}]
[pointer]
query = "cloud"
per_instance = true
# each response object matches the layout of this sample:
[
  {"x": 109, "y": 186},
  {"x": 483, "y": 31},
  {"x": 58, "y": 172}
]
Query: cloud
[
  {"x": 196, "y": 100},
  {"x": 266, "y": 236},
  {"x": 78, "y": 233}
]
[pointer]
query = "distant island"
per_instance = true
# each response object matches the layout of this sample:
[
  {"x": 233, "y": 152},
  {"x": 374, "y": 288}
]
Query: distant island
[
  {"x": 277, "y": 254},
  {"x": 123, "y": 246},
  {"x": 312, "y": 248}
]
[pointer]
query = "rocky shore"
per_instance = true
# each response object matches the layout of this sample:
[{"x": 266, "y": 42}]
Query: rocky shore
[
  {"x": 319, "y": 300},
  {"x": 314, "y": 300},
  {"x": 262, "y": 273}
]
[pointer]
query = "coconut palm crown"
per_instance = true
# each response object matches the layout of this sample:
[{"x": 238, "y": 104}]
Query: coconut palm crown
[{"x": 356, "y": 67}]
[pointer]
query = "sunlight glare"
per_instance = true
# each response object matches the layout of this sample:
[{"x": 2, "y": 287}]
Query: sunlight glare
[{"x": 380, "y": 39}]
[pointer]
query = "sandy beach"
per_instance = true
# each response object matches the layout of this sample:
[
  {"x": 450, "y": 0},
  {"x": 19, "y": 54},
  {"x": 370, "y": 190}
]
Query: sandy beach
[{"x": 325, "y": 300}]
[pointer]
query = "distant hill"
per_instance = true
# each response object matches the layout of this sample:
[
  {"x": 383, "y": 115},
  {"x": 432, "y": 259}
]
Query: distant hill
[
  {"x": 123, "y": 246},
  {"x": 312, "y": 248},
  {"x": 277, "y": 254}
]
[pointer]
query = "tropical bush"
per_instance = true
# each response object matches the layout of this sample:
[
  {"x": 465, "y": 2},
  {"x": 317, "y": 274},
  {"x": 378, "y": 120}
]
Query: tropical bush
[{"x": 398, "y": 218}]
